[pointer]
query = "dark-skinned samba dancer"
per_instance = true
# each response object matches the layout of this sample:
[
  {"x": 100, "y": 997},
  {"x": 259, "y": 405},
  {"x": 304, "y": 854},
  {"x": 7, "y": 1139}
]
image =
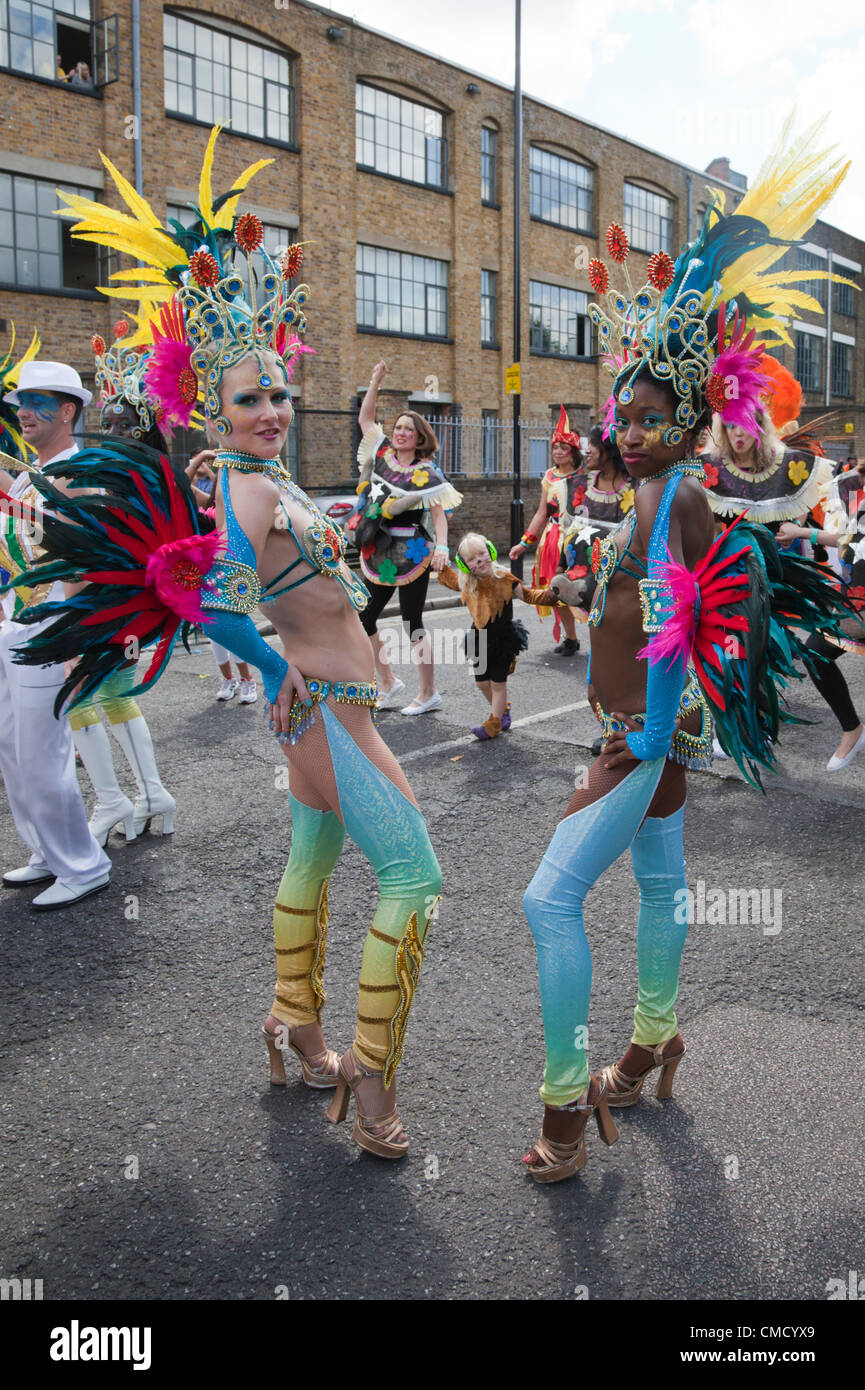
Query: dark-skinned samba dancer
[{"x": 700, "y": 609}]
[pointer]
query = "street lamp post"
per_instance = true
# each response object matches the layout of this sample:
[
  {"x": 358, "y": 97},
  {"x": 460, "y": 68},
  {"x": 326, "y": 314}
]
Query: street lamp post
[{"x": 517, "y": 524}]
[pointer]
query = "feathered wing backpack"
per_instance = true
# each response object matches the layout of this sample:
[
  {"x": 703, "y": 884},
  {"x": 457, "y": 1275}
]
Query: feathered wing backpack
[
  {"x": 135, "y": 538},
  {"x": 737, "y": 617}
]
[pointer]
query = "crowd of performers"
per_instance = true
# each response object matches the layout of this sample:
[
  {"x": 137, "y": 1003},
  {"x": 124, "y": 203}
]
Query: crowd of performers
[{"x": 689, "y": 569}]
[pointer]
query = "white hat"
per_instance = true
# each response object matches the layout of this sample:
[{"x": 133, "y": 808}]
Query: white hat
[{"x": 49, "y": 376}]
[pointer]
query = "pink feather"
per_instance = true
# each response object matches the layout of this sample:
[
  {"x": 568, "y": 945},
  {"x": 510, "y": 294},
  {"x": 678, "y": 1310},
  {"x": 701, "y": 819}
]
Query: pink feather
[
  {"x": 169, "y": 359},
  {"x": 609, "y": 417},
  {"x": 290, "y": 344},
  {"x": 675, "y": 641},
  {"x": 162, "y": 573},
  {"x": 738, "y": 365}
]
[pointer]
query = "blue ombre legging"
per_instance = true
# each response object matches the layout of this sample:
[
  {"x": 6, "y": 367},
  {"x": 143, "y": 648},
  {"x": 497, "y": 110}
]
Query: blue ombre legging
[
  {"x": 390, "y": 830},
  {"x": 584, "y": 845}
]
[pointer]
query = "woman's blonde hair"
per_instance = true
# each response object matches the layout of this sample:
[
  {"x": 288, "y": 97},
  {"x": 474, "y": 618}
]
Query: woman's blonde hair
[
  {"x": 429, "y": 445},
  {"x": 767, "y": 443}
]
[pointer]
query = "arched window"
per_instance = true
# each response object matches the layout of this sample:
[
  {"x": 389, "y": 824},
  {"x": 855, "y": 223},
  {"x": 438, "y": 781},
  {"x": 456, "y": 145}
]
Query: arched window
[
  {"x": 648, "y": 219},
  {"x": 399, "y": 137},
  {"x": 489, "y": 164},
  {"x": 221, "y": 72},
  {"x": 561, "y": 190}
]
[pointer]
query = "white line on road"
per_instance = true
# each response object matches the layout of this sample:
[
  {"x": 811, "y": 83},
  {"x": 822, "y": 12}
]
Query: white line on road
[{"x": 470, "y": 738}]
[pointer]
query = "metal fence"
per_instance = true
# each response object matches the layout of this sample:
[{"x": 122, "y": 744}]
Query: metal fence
[
  {"x": 321, "y": 450},
  {"x": 485, "y": 448}
]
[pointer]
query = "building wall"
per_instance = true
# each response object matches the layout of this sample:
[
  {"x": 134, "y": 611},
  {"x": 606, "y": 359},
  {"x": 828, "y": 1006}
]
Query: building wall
[{"x": 319, "y": 188}]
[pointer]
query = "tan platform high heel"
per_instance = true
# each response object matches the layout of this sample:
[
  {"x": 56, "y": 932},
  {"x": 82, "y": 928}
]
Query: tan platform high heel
[
  {"x": 375, "y": 1133},
  {"x": 555, "y": 1161},
  {"x": 320, "y": 1071},
  {"x": 624, "y": 1090}
]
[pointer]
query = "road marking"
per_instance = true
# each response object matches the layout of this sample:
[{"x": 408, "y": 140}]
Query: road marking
[{"x": 470, "y": 738}]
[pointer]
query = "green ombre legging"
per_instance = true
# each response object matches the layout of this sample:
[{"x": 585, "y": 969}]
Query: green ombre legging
[
  {"x": 584, "y": 845},
  {"x": 113, "y": 695},
  {"x": 391, "y": 832}
]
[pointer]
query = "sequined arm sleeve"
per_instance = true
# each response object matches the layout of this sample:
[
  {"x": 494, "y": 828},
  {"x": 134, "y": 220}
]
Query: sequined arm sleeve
[
  {"x": 232, "y": 592},
  {"x": 664, "y": 682}
]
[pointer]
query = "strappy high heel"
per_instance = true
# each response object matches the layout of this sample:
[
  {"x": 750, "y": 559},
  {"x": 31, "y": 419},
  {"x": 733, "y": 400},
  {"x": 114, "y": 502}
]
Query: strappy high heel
[
  {"x": 375, "y": 1133},
  {"x": 624, "y": 1090},
  {"x": 556, "y": 1161},
  {"x": 320, "y": 1071}
]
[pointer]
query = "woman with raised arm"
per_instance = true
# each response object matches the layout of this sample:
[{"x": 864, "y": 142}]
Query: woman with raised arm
[
  {"x": 149, "y": 564},
  {"x": 706, "y": 613},
  {"x": 404, "y": 501}
]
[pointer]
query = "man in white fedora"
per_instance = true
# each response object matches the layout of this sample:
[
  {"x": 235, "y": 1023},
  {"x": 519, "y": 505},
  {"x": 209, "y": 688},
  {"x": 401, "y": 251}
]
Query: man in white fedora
[{"x": 36, "y": 752}]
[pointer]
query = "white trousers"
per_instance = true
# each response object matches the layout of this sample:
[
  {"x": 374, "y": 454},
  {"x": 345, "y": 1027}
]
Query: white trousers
[{"x": 37, "y": 760}]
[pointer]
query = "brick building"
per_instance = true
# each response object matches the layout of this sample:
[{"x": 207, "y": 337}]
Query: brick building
[{"x": 397, "y": 167}]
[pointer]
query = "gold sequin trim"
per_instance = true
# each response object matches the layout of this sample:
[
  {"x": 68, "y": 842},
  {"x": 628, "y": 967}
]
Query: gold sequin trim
[
  {"x": 377, "y": 989},
  {"x": 316, "y": 973},
  {"x": 409, "y": 958},
  {"x": 295, "y": 911}
]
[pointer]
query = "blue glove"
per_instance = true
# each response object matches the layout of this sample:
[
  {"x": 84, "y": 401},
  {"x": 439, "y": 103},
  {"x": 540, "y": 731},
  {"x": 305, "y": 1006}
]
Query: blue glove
[
  {"x": 241, "y": 637},
  {"x": 664, "y": 684}
]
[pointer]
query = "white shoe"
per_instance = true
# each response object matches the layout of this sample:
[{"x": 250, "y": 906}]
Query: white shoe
[
  {"x": 62, "y": 894},
  {"x": 26, "y": 877},
  {"x": 717, "y": 750},
  {"x": 388, "y": 698},
  {"x": 423, "y": 706},
  {"x": 227, "y": 690},
  {"x": 836, "y": 764},
  {"x": 248, "y": 693}
]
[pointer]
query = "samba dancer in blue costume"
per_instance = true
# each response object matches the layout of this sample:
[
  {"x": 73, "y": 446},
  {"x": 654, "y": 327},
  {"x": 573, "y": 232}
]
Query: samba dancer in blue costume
[
  {"x": 712, "y": 611},
  {"x": 146, "y": 564}
]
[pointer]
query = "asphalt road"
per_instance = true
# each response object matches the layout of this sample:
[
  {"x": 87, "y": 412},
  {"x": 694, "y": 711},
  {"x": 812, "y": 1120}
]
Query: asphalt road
[{"x": 146, "y": 1156}]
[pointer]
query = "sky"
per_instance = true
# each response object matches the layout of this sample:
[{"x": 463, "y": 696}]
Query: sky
[{"x": 693, "y": 79}]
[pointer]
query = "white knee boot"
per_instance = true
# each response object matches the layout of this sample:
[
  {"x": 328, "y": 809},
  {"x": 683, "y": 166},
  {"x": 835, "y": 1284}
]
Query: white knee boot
[
  {"x": 112, "y": 805},
  {"x": 152, "y": 799}
]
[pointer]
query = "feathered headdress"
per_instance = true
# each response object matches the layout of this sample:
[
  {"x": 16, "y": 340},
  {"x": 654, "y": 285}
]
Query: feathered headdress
[
  {"x": 120, "y": 379},
  {"x": 12, "y": 441},
  {"x": 675, "y": 325},
  {"x": 199, "y": 313}
]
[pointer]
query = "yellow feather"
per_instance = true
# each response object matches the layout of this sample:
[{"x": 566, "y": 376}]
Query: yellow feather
[
  {"x": 205, "y": 185},
  {"x": 140, "y": 273},
  {"x": 228, "y": 209},
  {"x": 32, "y": 351},
  {"x": 137, "y": 205}
]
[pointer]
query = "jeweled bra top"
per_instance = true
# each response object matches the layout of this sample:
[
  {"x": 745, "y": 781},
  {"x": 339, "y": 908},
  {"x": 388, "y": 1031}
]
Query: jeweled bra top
[{"x": 321, "y": 544}]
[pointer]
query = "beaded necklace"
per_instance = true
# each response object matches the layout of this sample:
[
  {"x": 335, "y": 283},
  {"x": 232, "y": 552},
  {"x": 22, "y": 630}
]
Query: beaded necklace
[
  {"x": 252, "y": 463},
  {"x": 685, "y": 468}
]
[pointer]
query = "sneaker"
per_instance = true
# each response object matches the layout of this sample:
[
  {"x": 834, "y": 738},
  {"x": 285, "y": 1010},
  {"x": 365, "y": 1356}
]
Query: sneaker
[
  {"x": 717, "y": 750},
  {"x": 227, "y": 690},
  {"x": 569, "y": 647},
  {"x": 248, "y": 693}
]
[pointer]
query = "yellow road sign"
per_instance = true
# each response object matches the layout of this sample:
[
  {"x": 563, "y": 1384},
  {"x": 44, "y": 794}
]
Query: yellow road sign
[{"x": 512, "y": 380}]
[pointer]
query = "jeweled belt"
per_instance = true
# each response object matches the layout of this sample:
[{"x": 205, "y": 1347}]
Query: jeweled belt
[{"x": 302, "y": 715}]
